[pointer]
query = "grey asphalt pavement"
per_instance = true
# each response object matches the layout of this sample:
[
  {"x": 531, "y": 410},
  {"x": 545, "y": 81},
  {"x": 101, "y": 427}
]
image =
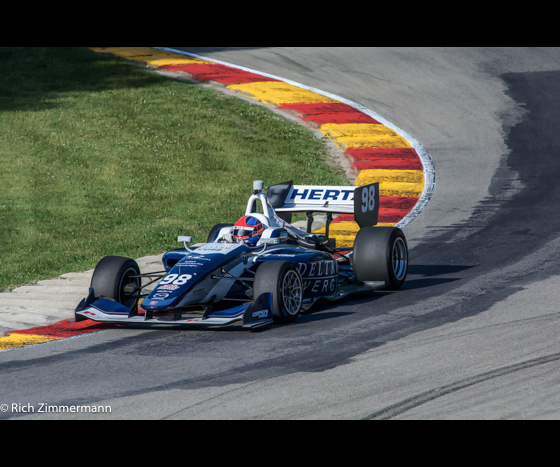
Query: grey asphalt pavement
[{"x": 472, "y": 335}]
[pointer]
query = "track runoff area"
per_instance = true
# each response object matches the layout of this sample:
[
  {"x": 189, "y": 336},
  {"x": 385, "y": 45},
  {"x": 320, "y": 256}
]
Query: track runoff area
[{"x": 377, "y": 151}]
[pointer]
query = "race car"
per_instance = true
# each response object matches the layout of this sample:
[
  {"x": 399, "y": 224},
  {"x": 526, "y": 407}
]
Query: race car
[{"x": 259, "y": 271}]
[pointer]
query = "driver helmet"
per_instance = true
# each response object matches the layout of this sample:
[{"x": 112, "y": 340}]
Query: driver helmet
[{"x": 248, "y": 230}]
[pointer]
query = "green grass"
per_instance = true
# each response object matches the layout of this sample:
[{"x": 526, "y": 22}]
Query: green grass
[{"x": 102, "y": 157}]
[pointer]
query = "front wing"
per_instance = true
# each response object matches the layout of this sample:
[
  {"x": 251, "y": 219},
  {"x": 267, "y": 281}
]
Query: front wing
[
  {"x": 252, "y": 315},
  {"x": 102, "y": 310}
]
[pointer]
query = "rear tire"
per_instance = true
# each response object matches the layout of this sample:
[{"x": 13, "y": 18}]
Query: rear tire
[
  {"x": 282, "y": 279},
  {"x": 381, "y": 255},
  {"x": 112, "y": 275}
]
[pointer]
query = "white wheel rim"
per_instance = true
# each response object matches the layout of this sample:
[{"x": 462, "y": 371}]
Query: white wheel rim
[
  {"x": 292, "y": 292},
  {"x": 400, "y": 259}
]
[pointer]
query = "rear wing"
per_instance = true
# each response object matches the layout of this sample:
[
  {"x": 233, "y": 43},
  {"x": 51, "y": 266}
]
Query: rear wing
[{"x": 362, "y": 201}]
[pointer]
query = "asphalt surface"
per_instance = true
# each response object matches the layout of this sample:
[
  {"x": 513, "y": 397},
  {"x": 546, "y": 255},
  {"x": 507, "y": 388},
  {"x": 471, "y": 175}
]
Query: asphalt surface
[{"x": 472, "y": 335}]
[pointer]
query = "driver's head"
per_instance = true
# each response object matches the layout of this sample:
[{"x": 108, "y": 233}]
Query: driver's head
[{"x": 248, "y": 230}]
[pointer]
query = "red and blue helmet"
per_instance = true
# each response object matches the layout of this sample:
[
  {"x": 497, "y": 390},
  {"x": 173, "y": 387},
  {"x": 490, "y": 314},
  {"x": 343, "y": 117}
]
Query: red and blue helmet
[{"x": 248, "y": 229}]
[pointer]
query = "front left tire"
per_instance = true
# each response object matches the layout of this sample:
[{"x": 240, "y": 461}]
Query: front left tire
[{"x": 114, "y": 278}]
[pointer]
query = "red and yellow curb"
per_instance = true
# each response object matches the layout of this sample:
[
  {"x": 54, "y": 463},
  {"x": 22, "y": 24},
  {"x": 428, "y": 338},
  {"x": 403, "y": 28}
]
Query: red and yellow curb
[
  {"x": 377, "y": 153},
  {"x": 61, "y": 330}
]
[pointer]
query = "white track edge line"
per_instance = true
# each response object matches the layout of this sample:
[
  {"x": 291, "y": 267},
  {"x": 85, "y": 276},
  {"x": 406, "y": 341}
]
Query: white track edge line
[{"x": 425, "y": 157}]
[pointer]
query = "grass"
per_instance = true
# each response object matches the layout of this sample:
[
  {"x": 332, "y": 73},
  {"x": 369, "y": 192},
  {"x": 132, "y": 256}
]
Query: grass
[{"x": 102, "y": 157}]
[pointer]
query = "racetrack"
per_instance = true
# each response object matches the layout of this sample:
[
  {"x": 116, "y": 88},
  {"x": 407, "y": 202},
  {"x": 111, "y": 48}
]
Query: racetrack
[{"x": 474, "y": 332}]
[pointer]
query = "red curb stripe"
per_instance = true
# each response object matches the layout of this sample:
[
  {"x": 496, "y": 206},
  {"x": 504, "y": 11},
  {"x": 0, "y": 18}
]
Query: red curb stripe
[
  {"x": 398, "y": 202},
  {"x": 202, "y": 69},
  {"x": 373, "y": 154},
  {"x": 219, "y": 73},
  {"x": 342, "y": 117},
  {"x": 317, "y": 108},
  {"x": 344, "y": 218},
  {"x": 64, "y": 329},
  {"x": 391, "y": 216},
  {"x": 385, "y": 164},
  {"x": 392, "y": 209},
  {"x": 386, "y": 216},
  {"x": 385, "y": 158}
]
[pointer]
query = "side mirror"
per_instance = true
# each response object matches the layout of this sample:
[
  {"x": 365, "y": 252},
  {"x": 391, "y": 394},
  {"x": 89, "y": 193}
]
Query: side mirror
[
  {"x": 270, "y": 241},
  {"x": 185, "y": 241}
]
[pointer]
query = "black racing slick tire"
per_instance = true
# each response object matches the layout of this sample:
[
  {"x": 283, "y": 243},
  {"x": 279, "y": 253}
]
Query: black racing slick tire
[
  {"x": 215, "y": 230},
  {"x": 113, "y": 278},
  {"x": 282, "y": 279},
  {"x": 381, "y": 255}
]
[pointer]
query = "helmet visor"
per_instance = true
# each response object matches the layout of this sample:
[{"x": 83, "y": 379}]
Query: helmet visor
[{"x": 243, "y": 233}]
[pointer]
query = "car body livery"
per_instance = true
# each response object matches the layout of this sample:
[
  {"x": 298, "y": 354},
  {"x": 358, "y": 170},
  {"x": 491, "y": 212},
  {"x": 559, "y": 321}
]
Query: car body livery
[{"x": 228, "y": 279}]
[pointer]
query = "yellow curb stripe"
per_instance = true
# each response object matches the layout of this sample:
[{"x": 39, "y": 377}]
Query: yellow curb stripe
[
  {"x": 345, "y": 242},
  {"x": 394, "y": 182},
  {"x": 350, "y": 142},
  {"x": 344, "y": 228},
  {"x": 345, "y": 232},
  {"x": 21, "y": 340},
  {"x": 157, "y": 61},
  {"x": 150, "y": 57},
  {"x": 363, "y": 135},
  {"x": 276, "y": 93},
  {"x": 392, "y": 175},
  {"x": 126, "y": 52},
  {"x": 337, "y": 130}
]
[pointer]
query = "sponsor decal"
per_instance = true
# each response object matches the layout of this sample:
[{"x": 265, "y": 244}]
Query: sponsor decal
[
  {"x": 260, "y": 314},
  {"x": 324, "y": 286},
  {"x": 160, "y": 296},
  {"x": 197, "y": 258},
  {"x": 216, "y": 248},
  {"x": 169, "y": 287},
  {"x": 189, "y": 263},
  {"x": 321, "y": 195},
  {"x": 318, "y": 269}
]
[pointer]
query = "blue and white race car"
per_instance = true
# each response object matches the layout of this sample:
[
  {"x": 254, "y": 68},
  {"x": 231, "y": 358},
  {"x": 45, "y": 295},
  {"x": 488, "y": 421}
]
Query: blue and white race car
[{"x": 272, "y": 279}]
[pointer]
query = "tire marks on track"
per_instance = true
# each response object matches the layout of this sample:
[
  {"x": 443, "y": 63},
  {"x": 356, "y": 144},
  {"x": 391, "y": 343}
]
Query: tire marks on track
[{"x": 428, "y": 396}]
